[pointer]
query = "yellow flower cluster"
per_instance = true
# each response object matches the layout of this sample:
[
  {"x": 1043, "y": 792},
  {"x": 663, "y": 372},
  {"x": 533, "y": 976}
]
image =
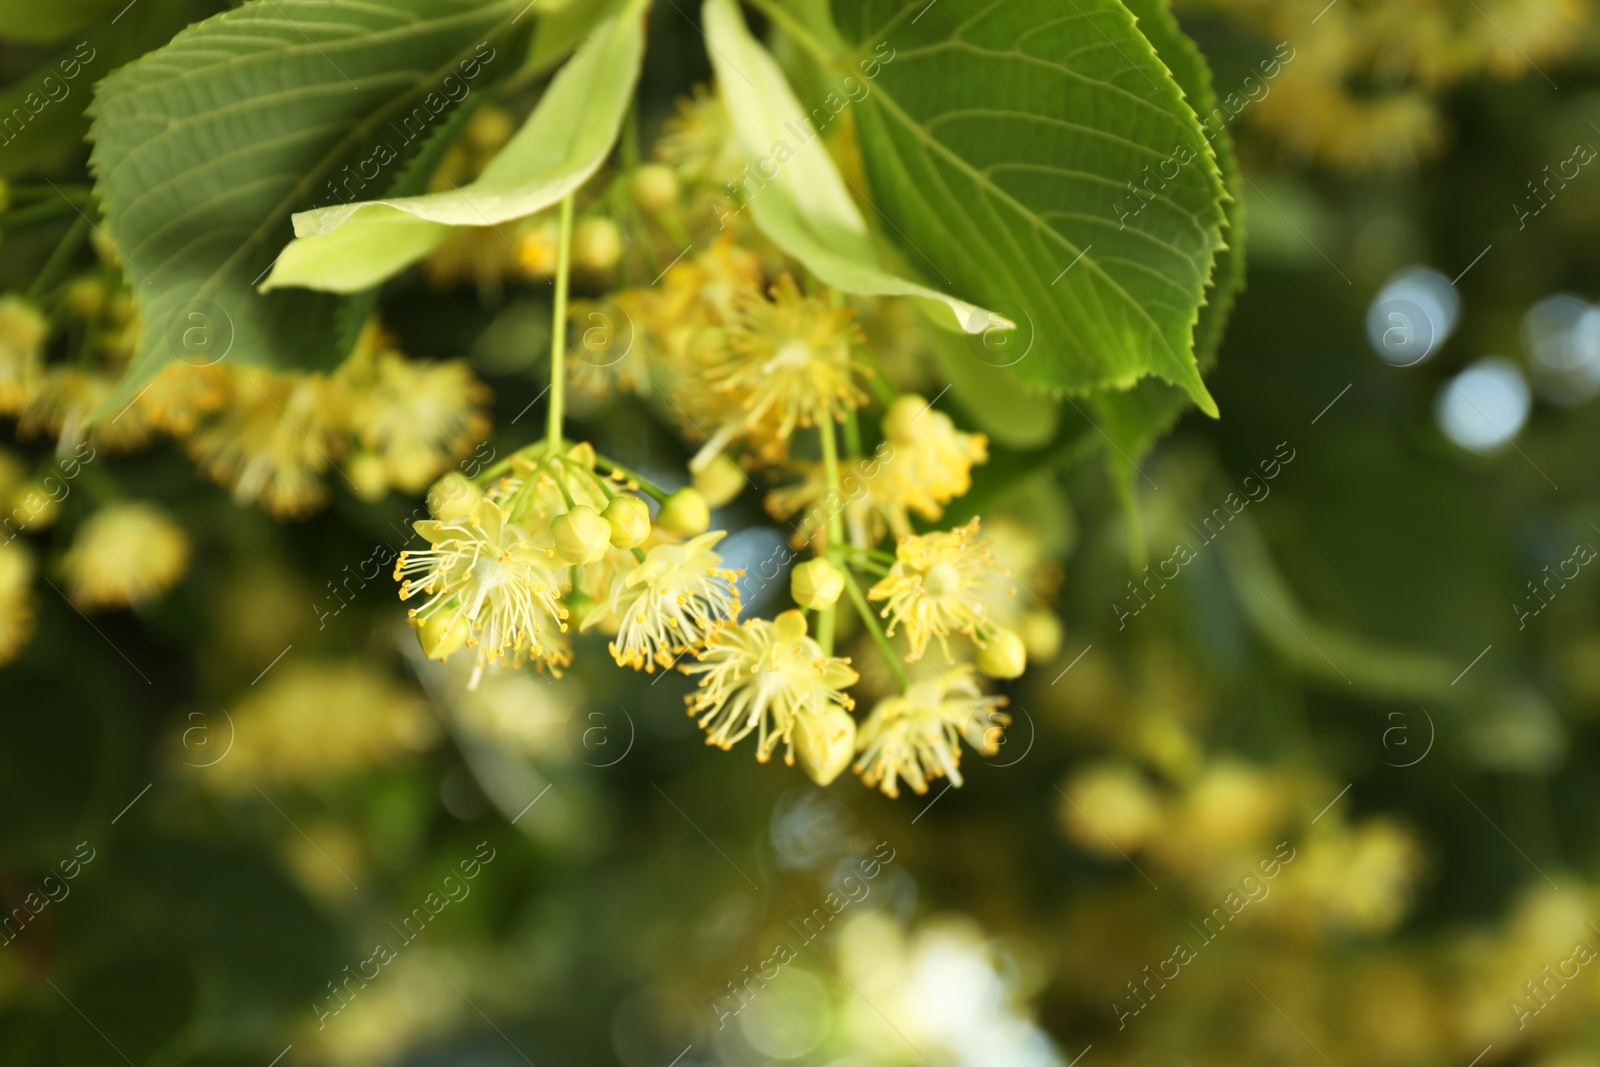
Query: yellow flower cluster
[
  {"x": 283, "y": 735},
  {"x": 506, "y": 569},
  {"x": 772, "y": 676},
  {"x": 401, "y": 424},
  {"x": 764, "y": 372},
  {"x": 922, "y": 465},
  {"x": 1364, "y": 90},
  {"x": 379, "y": 421},
  {"x": 16, "y": 601},
  {"x": 917, "y": 736},
  {"x": 125, "y": 554}
]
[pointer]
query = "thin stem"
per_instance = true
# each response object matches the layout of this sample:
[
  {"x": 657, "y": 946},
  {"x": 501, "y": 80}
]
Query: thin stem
[
  {"x": 645, "y": 484},
  {"x": 585, "y": 472},
  {"x": 870, "y": 619},
  {"x": 852, "y": 434},
  {"x": 875, "y": 378},
  {"x": 558, "y": 329},
  {"x": 36, "y": 212},
  {"x": 826, "y": 619},
  {"x": 58, "y": 259},
  {"x": 830, "y": 466},
  {"x": 866, "y": 562}
]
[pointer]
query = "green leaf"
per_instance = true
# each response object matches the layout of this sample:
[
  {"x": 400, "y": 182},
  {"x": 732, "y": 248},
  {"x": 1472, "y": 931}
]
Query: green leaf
[
  {"x": 412, "y": 179},
  {"x": 557, "y": 33},
  {"x": 348, "y": 247},
  {"x": 1001, "y": 140},
  {"x": 804, "y": 206},
  {"x": 1136, "y": 419},
  {"x": 203, "y": 148}
]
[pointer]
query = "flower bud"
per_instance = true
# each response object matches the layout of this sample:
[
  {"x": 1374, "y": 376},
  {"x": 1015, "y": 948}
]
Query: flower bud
[
  {"x": 684, "y": 514},
  {"x": 489, "y": 128},
  {"x": 1042, "y": 635},
  {"x": 539, "y": 248},
  {"x": 452, "y": 497},
  {"x": 719, "y": 479},
  {"x": 581, "y": 535},
  {"x": 1002, "y": 655},
  {"x": 816, "y": 584},
  {"x": 629, "y": 518},
  {"x": 824, "y": 743},
  {"x": 366, "y": 474},
  {"x": 22, "y": 328},
  {"x": 901, "y": 421},
  {"x": 86, "y": 296},
  {"x": 654, "y": 187},
  {"x": 596, "y": 245},
  {"x": 582, "y": 454},
  {"x": 442, "y": 633}
]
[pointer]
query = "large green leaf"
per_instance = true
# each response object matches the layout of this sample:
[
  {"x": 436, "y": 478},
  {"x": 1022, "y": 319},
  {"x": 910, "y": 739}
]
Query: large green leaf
[
  {"x": 803, "y": 206},
  {"x": 1000, "y": 140},
  {"x": 348, "y": 247},
  {"x": 203, "y": 149},
  {"x": 1133, "y": 420}
]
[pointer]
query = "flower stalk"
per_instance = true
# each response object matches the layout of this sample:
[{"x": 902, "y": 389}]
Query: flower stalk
[{"x": 558, "y": 329}]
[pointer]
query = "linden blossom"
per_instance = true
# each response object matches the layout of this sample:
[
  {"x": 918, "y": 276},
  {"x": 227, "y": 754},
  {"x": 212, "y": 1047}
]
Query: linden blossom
[
  {"x": 431, "y": 906},
  {"x": 1254, "y": 891}
]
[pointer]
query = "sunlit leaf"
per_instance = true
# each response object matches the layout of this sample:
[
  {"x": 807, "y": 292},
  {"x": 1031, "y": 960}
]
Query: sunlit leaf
[
  {"x": 348, "y": 247},
  {"x": 1003, "y": 143},
  {"x": 804, "y": 206}
]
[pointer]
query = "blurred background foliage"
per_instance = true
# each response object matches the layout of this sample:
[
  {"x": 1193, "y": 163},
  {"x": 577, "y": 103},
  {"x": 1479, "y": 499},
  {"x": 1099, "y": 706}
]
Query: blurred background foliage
[{"x": 1356, "y": 670}]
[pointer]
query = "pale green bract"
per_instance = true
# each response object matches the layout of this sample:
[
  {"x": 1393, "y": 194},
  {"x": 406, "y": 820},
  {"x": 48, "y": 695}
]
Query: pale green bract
[
  {"x": 805, "y": 207},
  {"x": 345, "y": 248}
]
